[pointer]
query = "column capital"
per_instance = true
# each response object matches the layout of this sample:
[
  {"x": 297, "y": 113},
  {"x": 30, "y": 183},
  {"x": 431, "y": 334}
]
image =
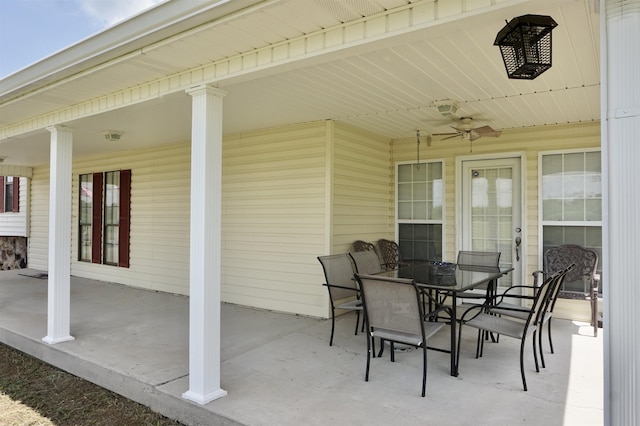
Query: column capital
[
  {"x": 206, "y": 89},
  {"x": 58, "y": 128}
]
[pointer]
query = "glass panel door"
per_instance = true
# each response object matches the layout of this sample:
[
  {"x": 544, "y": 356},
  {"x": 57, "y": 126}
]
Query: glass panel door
[{"x": 491, "y": 212}]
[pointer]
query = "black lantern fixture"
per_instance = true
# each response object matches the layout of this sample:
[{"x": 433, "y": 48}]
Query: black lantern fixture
[{"x": 525, "y": 44}]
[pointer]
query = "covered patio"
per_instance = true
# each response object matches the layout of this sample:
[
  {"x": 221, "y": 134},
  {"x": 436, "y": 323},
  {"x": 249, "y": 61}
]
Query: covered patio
[
  {"x": 278, "y": 368},
  {"x": 322, "y": 105}
]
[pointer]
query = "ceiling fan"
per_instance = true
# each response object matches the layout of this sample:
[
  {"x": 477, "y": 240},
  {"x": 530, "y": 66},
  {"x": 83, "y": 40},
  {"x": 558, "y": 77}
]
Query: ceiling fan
[{"x": 467, "y": 132}]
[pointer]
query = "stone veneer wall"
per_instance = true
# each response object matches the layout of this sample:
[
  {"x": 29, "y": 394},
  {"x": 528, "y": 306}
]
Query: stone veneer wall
[{"x": 13, "y": 253}]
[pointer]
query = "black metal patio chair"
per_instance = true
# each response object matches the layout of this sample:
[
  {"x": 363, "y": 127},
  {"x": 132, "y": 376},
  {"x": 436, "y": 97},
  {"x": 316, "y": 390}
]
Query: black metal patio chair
[
  {"x": 586, "y": 261},
  {"x": 393, "y": 312},
  {"x": 517, "y": 310},
  {"x": 477, "y": 317},
  {"x": 339, "y": 273},
  {"x": 366, "y": 262},
  {"x": 390, "y": 254}
]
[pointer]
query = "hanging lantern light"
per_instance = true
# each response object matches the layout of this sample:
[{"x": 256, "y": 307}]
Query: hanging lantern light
[{"x": 525, "y": 45}]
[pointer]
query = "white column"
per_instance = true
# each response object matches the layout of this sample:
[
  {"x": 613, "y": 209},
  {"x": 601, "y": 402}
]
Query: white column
[
  {"x": 206, "y": 219},
  {"x": 59, "y": 292},
  {"x": 621, "y": 156}
]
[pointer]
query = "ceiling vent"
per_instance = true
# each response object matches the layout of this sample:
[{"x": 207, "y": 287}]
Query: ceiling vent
[
  {"x": 112, "y": 135},
  {"x": 446, "y": 107}
]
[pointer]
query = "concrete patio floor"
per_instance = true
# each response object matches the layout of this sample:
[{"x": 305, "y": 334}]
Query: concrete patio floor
[{"x": 279, "y": 369}]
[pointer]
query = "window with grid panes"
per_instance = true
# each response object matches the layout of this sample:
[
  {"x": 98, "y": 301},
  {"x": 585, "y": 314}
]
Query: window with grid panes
[
  {"x": 104, "y": 217},
  {"x": 419, "y": 210},
  {"x": 571, "y": 205},
  {"x": 10, "y": 198}
]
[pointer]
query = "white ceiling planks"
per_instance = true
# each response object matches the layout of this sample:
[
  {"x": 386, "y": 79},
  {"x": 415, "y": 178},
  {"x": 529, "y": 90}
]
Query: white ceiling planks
[{"x": 387, "y": 86}]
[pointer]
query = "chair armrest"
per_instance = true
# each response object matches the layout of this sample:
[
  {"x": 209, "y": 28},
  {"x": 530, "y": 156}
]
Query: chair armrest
[
  {"x": 515, "y": 287},
  {"x": 463, "y": 317},
  {"x": 595, "y": 285},
  {"x": 436, "y": 311},
  {"x": 393, "y": 265},
  {"x": 342, "y": 287},
  {"x": 538, "y": 276},
  {"x": 506, "y": 294}
]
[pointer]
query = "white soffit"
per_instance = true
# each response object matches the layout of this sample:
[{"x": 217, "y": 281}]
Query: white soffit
[{"x": 386, "y": 85}]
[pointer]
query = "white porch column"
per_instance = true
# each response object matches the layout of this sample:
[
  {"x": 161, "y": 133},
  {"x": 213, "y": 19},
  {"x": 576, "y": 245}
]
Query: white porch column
[
  {"x": 59, "y": 291},
  {"x": 621, "y": 148},
  {"x": 206, "y": 219}
]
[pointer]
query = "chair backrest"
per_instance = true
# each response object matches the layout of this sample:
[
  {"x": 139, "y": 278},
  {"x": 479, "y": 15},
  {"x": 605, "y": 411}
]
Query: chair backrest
[
  {"x": 555, "y": 291},
  {"x": 479, "y": 258},
  {"x": 391, "y": 303},
  {"x": 366, "y": 262},
  {"x": 390, "y": 253},
  {"x": 360, "y": 245},
  {"x": 543, "y": 296},
  {"x": 339, "y": 275},
  {"x": 559, "y": 258}
]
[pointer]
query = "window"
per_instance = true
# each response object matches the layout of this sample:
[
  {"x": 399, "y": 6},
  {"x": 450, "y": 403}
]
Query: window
[
  {"x": 105, "y": 200},
  {"x": 420, "y": 206},
  {"x": 10, "y": 199},
  {"x": 571, "y": 205}
]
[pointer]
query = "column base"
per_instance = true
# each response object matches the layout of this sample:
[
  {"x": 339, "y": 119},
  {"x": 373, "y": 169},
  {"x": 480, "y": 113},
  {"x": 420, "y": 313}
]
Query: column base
[
  {"x": 204, "y": 399},
  {"x": 54, "y": 340}
]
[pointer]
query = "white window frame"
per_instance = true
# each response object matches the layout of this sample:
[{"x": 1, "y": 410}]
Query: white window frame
[
  {"x": 441, "y": 221},
  {"x": 561, "y": 223}
]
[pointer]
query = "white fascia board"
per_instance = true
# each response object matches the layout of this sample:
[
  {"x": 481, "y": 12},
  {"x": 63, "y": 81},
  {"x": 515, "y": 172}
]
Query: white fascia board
[{"x": 151, "y": 26}]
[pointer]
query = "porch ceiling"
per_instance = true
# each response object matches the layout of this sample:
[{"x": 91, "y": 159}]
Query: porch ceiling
[{"x": 387, "y": 86}]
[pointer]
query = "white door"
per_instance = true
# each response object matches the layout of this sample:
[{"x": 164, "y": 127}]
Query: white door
[{"x": 491, "y": 211}]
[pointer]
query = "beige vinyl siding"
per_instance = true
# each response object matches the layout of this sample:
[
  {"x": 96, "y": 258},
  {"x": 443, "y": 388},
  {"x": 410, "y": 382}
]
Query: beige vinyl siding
[
  {"x": 39, "y": 219},
  {"x": 275, "y": 213},
  {"x": 530, "y": 142},
  {"x": 160, "y": 191},
  {"x": 290, "y": 194},
  {"x": 15, "y": 224},
  {"x": 362, "y": 191},
  {"x": 159, "y": 218},
  {"x": 274, "y": 219}
]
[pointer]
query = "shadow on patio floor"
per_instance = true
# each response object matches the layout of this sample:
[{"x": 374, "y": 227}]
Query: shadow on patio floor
[{"x": 279, "y": 369}]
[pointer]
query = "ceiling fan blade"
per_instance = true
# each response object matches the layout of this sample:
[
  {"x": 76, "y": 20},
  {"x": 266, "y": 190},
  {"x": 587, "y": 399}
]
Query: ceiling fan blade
[
  {"x": 452, "y": 136},
  {"x": 487, "y": 131}
]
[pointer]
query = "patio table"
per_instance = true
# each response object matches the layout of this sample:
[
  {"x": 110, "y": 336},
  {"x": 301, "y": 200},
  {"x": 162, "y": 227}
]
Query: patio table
[{"x": 449, "y": 282}]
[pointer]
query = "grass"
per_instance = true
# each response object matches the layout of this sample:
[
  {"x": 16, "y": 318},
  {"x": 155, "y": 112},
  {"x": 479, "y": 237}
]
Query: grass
[{"x": 35, "y": 393}]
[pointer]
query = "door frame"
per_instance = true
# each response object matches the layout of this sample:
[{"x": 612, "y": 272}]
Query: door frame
[{"x": 521, "y": 155}]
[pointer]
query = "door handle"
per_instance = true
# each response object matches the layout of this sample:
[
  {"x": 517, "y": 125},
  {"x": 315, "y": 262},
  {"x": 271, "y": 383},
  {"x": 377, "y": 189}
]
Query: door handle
[{"x": 518, "y": 242}]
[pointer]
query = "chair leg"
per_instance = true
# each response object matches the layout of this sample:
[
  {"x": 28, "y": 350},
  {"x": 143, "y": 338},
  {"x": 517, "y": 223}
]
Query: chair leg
[
  {"x": 424, "y": 368},
  {"x": 535, "y": 351},
  {"x": 594, "y": 314},
  {"x": 357, "y": 322},
  {"x": 373, "y": 345},
  {"x": 458, "y": 347},
  {"x": 524, "y": 380},
  {"x": 369, "y": 349},
  {"x": 333, "y": 325},
  {"x": 480, "y": 346},
  {"x": 478, "y": 343},
  {"x": 549, "y": 331},
  {"x": 540, "y": 347},
  {"x": 392, "y": 349}
]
